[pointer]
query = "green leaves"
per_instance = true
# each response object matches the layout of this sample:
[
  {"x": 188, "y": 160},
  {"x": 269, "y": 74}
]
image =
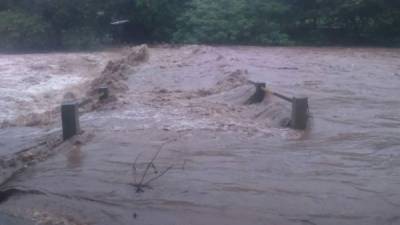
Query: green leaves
[
  {"x": 21, "y": 31},
  {"x": 158, "y": 17},
  {"x": 38, "y": 24},
  {"x": 232, "y": 21}
]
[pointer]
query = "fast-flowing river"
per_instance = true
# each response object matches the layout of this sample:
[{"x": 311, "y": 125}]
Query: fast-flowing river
[{"x": 226, "y": 162}]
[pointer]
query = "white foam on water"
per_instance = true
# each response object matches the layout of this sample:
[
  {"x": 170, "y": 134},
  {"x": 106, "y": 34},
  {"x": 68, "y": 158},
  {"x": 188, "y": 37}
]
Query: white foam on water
[{"x": 36, "y": 83}]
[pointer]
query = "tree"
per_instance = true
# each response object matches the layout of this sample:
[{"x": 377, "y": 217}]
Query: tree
[
  {"x": 232, "y": 21},
  {"x": 22, "y": 31},
  {"x": 158, "y": 18},
  {"x": 52, "y": 24}
]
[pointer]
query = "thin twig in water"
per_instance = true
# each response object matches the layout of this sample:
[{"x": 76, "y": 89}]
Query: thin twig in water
[
  {"x": 184, "y": 164},
  {"x": 153, "y": 166},
  {"x": 149, "y": 165},
  {"x": 134, "y": 166},
  {"x": 142, "y": 183},
  {"x": 160, "y": 175}
]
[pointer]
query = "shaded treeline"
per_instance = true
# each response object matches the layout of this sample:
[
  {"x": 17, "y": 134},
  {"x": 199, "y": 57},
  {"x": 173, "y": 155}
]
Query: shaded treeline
[{"x": 52, "y": 24}]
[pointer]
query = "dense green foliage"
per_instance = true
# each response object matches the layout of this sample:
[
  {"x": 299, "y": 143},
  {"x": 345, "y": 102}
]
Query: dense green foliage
[
  {"x": 21, "y": 30},
  {"x": 49, "y": 24},
  {"x": 232, "y": 21}
]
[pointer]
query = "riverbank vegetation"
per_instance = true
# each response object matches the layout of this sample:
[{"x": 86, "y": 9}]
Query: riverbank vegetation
[{"x": 82, "y": 24}]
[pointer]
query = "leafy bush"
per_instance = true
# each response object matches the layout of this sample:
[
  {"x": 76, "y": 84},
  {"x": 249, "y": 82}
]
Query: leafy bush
[
  {"x": 212, "y": 22},
  {"x": 80, "y": 38},
  {"x": 20, "y": 30},
  {"x": 232, "y": 21},
  {"x": 77, "y": 24}
]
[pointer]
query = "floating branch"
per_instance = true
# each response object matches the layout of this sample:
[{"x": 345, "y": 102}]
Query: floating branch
[{"x": 143, "y": 183}]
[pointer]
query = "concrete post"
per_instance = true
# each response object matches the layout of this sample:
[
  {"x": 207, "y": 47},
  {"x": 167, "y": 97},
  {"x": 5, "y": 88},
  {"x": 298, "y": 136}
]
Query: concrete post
[
  {"x": 299, "y": 113},
  {"x": 70, "y": 119},
  {"x": 259, "y": 95},
  {"x": 103, "y": 92}
]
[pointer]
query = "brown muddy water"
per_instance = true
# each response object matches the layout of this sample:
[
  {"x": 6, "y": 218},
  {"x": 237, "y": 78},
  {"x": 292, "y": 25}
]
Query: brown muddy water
[
  {"x": 230, "y": 163},
  {"x": 32, "y": 85}
]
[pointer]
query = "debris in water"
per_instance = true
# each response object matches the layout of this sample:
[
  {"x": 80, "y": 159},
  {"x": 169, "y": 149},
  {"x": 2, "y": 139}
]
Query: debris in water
[{"x": 141, "y": 184}]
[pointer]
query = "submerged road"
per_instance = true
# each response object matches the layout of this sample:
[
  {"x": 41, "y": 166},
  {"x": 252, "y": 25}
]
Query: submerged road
[{"x": 227, "y": 162}]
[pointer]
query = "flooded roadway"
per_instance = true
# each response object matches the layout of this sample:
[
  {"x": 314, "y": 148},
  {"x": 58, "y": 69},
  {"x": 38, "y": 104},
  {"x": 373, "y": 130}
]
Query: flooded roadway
[{"x": 231, "y": 163}]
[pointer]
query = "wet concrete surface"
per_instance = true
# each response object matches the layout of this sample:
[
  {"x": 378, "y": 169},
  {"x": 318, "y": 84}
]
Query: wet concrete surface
[
  {"x": 18, "y": 138},
  {"x": 231, "y": 163}
]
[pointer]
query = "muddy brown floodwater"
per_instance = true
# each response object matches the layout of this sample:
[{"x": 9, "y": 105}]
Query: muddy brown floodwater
[
  {"x": 32, "y": 85},
  {"x": 231, "y": 163}
]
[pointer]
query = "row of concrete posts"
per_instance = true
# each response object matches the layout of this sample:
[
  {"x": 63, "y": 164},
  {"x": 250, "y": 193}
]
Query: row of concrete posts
[{"x": 298, "y": 120}]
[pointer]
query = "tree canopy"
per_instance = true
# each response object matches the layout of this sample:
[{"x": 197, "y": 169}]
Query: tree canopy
[{"x": 48, "y": 24}]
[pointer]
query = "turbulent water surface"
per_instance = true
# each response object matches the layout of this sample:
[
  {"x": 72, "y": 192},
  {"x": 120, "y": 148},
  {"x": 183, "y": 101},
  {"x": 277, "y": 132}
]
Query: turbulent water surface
[
  {"x": 32, "y": 85},
  {"x": 226, "y": 162}
]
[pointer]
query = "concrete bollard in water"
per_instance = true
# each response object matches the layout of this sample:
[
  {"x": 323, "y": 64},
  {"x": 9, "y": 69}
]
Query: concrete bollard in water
[
  {"x": 299, "y": 113},
  {"x": 70, "y": 119},
  {"x": 259, "y": 95},
  {"x": 103, "y": 92}
]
